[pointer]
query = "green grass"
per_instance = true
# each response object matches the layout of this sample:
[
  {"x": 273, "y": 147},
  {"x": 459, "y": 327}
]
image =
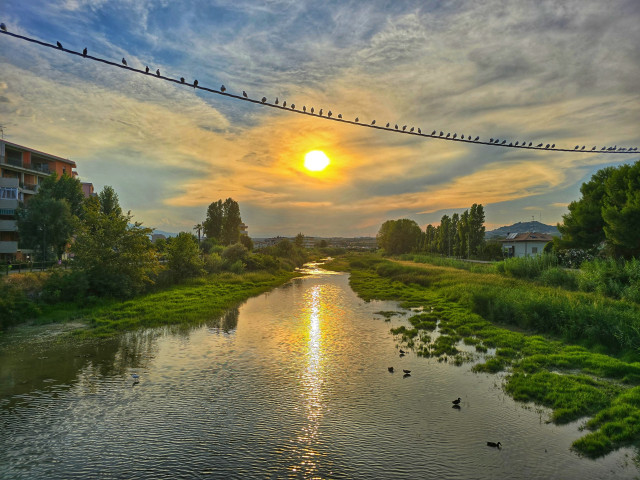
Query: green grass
[
  {"x": 196, "y": 301},
  {"x": 576, "y": 353}
]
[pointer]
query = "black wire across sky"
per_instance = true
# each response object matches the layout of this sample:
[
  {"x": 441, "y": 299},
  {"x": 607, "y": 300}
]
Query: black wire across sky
[{"x": 329, "y": 115}]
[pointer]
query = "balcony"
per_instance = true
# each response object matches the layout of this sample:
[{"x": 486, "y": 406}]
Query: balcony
[
  {"x": 8, "y": 226},
  {"x": 8, "y": 247},
  {"x": 8, "y": 204},
  {"x": 31, "y": 187},
  {"x": 38, "y": 167}
]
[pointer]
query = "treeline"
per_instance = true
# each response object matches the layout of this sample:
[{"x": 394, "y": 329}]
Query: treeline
[
  {"x": 459, "y": 235},
  {"x": 113, "y": 256}
]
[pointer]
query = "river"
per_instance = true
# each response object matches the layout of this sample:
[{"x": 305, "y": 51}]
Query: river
[{"x": 292, "y": 384}]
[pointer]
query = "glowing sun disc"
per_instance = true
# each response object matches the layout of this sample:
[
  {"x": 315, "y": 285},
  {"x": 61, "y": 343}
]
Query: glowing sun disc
[{"x": 316, "y": 161}]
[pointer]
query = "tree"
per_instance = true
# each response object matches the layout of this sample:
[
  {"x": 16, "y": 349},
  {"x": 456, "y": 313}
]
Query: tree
[
  {"x": 463, "y": 234},
  {"x": 116, "y": 255},
  {"x": 231, "y": 222},
  {"x": 399, "y": 236},
  {"x": 299, "y": 241},
  {"x": 50, "y": 217},
  {"x": 247, "y": 242},
  {"x": 109, "y": 201},
  {"x": 476, "y": 229},
  {"x": 198, "y": 228},
  {"x": 213, "y": 223},
  {"x": 444, "y": 237},
  {"x": 46, "y": 223},
  {"x": 223, "y": 221},
  {"x": 183, "y": 257}
]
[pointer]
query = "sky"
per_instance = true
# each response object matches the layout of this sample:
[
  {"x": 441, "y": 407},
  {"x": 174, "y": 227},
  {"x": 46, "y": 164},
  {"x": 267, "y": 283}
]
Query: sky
[{"x": 564, "y": 72}]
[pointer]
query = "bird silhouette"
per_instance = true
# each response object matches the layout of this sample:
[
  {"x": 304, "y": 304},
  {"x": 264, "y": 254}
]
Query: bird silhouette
[
  {"x": 448, "y": 134},
  {"x": 264, "y": 99},
  {"x": 456, "y": 401},
  {"x": 406, "y": 371},
  {"x": 244, "y": 94},
  {"x": 411, "y": 129},
  {"x": 357, "y": 119},
  {"x": 3, "y": 27},
  {"x": 530, "y": 143},
  {"x": 181, "y": 79},
  {"x": 312, "y": 110},
  {"x": 387, "y": 124},
  {"x": 223, "y": 88},
  {"x": 539, "y": 145},
  {"x": 373, "y": 122},
  {"x": 503, "y": 142},
  {"x": 494, "y": 445},
  {"x": 146, "y": 69},
  {"x": 390, "y": 369},
  {"x": 547, "y": 146},
  {"x": 511, "y": 144},
  {"x": 593, "y": 148},
  {"x": 84, "y": 53},
  {"x": 477, "y": 138},
  {"x": 433, "y": 133},
  {"x": 195, "y": 83},
  {"x": 293, "y": 106},
  {"x": 491, "y": 140},
  {"x": 516, "y": 144},
  {"x": 402, "y": 351},
  {"x": 603, "y": 148},
  {"x": 158, "y": 73},
  {"x": 59, "y": 44},
  {"x": 320, "y": 112},
  {"x": 576, "y": 147},
  {"x": 396, "y": 126},
  {"x": 455, "y": 135},
  {"x": 304, "y": 108},
  {"x": 441, "y": 133},
  {"x": 419, "y": 131},
  {"x": 462, "y": 137},
  {"x": 582, "y": 147},
  {"x": 124, "y": 62},
  {"x": 284, "y": 104},
  {"x": 329, "y": 113},
  {"x": 340, "y": 115},
  {"x": 276, "y": 102}
]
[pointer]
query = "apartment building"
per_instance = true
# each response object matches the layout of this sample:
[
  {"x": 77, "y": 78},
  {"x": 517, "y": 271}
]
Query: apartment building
[{"x": 21, "y": 171}]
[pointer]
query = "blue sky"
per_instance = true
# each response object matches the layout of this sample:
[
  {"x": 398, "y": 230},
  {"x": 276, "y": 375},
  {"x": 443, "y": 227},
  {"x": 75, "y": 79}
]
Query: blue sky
[{"x": 555, "y": 72}]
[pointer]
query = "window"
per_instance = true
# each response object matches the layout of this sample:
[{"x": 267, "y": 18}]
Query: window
[
  {"x": 534, "y": 249},
  {"x": 7, "y": 193}
]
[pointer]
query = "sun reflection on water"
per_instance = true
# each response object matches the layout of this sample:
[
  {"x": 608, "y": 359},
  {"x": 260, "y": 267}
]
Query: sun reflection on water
[{"x": 312, "y": 380}]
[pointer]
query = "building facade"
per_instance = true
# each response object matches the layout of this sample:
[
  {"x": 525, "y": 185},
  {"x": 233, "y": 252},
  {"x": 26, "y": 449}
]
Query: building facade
[
  {"x": 525, "y": 244},
  {"x": 22, "y": 169}
]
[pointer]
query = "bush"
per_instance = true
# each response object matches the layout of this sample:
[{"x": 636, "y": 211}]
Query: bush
[
  {"x": 611, "y": 278},
  {"x": 237, "y": 267},
  {"x": 65, "y": 287},
  {"x": 234, "y": 253},
  {"x": 15, "y": 306},
  {"x": 528, "y": 267},
  {"x": 559, "y": 277},
  {"x": 213, "y": 263}
]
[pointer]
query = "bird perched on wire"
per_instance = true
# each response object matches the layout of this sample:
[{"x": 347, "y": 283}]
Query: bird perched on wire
[
  {"x": 329, "y": 113},
  {"x": 195, "y": 83},
  {"x": 433, "y": 133},
  {"x": 312, "y": 110},
  {"x": 419, "y": 131},
  {"x": 547, "y": 146},
  {"x": 84, "y": 52},
  {"x": 3, "y": 27},
  {"x": 404, "y": 127},
  {"x": 181, "y": 79},
  {"x": 320, "y": 112},
  {"x": 223, "y": 88},
  {"x": 340, "y": 116},
  {"x": 357, "y": 119},
  {"x": 304, "y": 108},
  {"x": 441, "y": 133},
  {"x": 387, "y": 125},
  {"x": 477, "y": 138},
  {"x": 412, "y": 129},
  {"x": 276, "y": 102},
  {"x": 284, "y": 104},
  {"x": 373, "y": 122},
  {"x": 293, "y": 106},
  {"x": 124, "y": 62},
  {"x": 553, "y": 146},
  {"x": 264, "y": 99},
  {"x": 244, "y": 94},
  {"x": 59, "y": 44},
  {"x": 448, "y": 135},
  {"x": 146, "y": 69},
  {"x": 158, "y": 72}
]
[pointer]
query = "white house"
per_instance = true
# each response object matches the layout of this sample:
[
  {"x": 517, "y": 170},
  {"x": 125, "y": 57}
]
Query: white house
[{"x": 525, "y": 244}]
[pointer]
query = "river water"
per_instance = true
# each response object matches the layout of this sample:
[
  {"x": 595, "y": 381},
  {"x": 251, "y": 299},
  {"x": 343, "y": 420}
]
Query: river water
[{"x": 292, "y": 384}]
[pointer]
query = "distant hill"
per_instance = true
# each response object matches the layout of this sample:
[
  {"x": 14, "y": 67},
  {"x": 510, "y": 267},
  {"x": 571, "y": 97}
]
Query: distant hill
[
  {"x": 166, "y": 234},
  {"x": 522, "y": 227}
]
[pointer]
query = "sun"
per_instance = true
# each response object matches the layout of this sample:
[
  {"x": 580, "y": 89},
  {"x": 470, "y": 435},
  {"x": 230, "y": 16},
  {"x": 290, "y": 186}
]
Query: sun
[{"x": 316, "y": 161}]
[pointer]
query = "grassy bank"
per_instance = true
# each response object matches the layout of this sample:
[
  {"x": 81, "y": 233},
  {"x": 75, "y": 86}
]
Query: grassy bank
[
  {"x": 194, "y": 301},
  {"x": 574, "y": 352}
]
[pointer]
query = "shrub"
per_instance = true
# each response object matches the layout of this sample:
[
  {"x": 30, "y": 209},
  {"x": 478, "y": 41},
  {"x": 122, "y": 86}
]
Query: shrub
[
  {"x": 15, "y": 306},
  {"x": 65, "y": 286},
  {"x": 558, "y": 277},
  {"x": 213, "y": 263}
]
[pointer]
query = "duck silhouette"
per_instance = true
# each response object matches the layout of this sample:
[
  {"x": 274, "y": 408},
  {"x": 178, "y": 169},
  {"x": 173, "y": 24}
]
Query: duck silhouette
[
  {"x": 456, "y": 402},
  {"x": 494, "y": 445}
]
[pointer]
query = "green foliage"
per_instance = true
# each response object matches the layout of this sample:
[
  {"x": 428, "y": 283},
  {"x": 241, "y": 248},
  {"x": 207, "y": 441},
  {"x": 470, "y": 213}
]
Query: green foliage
[
  {"x": 15, "y": 306},
  {"x": 64, "y": 188},
  {"x": 213, "y": 263},
  {"x": 234, "y": 253},
  {"x": 247, "y": 242},
  {"x": 109, "y": 202},
  {"x": 399, "y": 236},
  {"x": 527, "y": 267},
  {"x": 223, "y": 222},
  {"x": 65, "y": 286},
  {"x": 116, "y": 256},
  {"x": 183, "y": 257},
  {"x": 609, "y": 211}
]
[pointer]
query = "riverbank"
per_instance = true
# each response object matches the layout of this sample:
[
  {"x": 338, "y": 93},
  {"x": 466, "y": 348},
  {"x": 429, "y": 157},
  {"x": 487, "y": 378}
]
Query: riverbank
[
  {"x": 587, "y": 366},
  {"x": 191, "y": 302}
]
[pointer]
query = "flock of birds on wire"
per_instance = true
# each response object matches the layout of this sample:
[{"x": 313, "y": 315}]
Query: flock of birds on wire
[
  {"x": 455, "y": 403},
  {"x": 330, "y": 115}
]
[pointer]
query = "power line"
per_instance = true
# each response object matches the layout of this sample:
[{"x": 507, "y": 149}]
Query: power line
[{"x": 337, "y": 118}]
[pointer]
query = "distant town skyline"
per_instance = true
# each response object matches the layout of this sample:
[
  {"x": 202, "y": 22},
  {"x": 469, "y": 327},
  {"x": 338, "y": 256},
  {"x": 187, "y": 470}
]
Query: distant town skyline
[{"x": 553, "y": 72}]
